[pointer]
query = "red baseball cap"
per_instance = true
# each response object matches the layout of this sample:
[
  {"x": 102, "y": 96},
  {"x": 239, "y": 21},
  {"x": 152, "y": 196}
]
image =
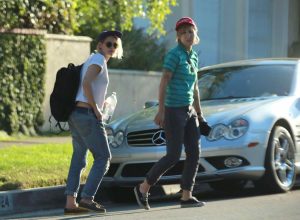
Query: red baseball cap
[{"x": 184, "y": 20}]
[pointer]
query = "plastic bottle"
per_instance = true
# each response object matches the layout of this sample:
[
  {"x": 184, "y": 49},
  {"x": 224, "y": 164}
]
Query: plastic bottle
[{"x": 109, "y": 107}]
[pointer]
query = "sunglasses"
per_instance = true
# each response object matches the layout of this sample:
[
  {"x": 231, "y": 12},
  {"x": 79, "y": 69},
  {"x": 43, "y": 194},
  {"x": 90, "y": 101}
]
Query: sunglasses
[{"x": 110, "y": 45}]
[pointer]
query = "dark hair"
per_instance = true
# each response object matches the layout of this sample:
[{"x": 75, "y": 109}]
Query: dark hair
[{"x": 104, "y": 34}]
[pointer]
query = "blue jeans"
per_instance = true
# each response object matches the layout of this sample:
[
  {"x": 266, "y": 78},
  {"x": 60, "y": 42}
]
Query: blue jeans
[{"x": 87, "y": 134}]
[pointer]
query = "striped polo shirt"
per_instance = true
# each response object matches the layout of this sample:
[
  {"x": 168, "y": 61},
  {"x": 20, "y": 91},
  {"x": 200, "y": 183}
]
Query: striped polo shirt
[{"x": 184, "y": 66}]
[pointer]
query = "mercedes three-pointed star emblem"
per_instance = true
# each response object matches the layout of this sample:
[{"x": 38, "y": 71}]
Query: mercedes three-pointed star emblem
[{"x": 159, "y": 138}]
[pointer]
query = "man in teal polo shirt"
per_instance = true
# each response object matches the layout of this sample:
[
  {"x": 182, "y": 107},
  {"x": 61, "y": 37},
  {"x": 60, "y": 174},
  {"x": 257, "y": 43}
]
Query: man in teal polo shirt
[{"x": 179, "y": 112}]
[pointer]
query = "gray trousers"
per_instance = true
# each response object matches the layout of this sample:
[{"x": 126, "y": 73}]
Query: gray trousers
[{"x": 181, "y": 128}]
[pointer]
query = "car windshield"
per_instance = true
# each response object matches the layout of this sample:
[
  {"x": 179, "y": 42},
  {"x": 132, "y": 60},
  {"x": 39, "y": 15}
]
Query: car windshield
[{"x": 246, "y": 81}]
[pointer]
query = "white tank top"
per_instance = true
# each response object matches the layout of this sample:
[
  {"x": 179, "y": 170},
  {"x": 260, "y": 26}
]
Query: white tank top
[{"x": 99, "y": 85}]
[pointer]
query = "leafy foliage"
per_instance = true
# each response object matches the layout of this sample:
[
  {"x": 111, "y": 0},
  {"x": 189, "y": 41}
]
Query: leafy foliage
[
  {"x": 97, "y": 15},
  {"x": 22, "y": 69},
  {"x": 141, "y": 52},
  {"x": 56, "y": 16},
  {"x": 83, "y": 17}
]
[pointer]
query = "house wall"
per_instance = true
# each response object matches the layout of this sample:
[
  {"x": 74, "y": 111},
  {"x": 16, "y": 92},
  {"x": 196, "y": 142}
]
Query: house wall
[
  {"x": 133, "y": 89},
  {"x": 240, "y": 29},
  {"x": 294, "y": 27}
]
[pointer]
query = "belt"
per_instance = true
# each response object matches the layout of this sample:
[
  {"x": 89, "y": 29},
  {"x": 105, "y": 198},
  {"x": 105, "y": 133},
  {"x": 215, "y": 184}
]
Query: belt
[
  {"x": 84, "y": 110},
  {"x": 186, "y": 107}
]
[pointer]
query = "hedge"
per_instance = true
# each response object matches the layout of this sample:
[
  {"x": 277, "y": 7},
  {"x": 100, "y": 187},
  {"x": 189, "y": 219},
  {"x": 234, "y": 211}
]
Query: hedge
[{"x": 22, "y": 70}]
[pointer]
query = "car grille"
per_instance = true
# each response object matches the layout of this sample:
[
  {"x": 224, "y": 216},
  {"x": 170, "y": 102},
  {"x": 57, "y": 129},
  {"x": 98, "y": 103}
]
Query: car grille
[
  {"x": 145, "y": 138},
  {"x": 112, "y": 169}
]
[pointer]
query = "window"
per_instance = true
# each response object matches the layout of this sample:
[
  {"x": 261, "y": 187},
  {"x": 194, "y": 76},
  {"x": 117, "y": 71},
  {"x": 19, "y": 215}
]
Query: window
[{"x": 246, "y": 81}]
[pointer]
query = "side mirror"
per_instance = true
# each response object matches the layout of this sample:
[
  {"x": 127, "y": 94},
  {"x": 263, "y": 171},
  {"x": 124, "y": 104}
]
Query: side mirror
[{"x": 150, "y": 104}]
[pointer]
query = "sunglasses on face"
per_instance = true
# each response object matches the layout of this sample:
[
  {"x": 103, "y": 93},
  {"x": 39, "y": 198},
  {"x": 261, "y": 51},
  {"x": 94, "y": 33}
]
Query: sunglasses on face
[{"x": 110, "y": 45}]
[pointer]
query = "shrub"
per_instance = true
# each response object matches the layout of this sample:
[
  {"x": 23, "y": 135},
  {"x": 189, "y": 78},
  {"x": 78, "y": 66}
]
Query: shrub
[
  {"x": 141, "y": 52},
  {"x": 22, "y": 69}
]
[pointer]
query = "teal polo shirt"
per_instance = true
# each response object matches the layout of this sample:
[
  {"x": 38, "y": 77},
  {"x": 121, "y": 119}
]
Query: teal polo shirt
[{"x": 184, "y": 66}]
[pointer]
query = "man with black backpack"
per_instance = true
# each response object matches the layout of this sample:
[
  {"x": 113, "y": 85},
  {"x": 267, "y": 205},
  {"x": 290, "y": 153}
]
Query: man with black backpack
[{"x": 87, "y": 128}]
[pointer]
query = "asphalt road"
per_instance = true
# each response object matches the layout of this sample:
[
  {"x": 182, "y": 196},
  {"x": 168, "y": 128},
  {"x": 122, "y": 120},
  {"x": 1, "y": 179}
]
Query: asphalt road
[{"x": 246, "y": 205}]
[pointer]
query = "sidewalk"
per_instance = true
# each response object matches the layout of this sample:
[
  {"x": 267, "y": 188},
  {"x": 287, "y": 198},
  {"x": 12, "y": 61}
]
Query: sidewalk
[{"x": 36, "y": 140}]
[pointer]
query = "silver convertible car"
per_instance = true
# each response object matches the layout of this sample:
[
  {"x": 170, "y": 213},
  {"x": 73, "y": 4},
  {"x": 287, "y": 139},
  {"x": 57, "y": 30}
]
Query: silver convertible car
[{"x": 253, "y": 107}]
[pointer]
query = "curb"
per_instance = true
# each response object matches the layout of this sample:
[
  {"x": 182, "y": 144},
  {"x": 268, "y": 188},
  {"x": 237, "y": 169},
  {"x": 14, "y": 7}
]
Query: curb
[
  {"x": 37, "y": 199},
  {"x": 20, "y": 201},
  {"x": 46, "y": 198}
]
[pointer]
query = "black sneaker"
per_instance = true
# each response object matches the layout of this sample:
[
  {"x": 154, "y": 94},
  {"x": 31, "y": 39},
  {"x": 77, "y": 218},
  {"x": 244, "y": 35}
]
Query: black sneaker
[
  {"x": 94, "y": 206},
  {"x": 192, "y": 202},
  {"x": 141, "y": 198}
]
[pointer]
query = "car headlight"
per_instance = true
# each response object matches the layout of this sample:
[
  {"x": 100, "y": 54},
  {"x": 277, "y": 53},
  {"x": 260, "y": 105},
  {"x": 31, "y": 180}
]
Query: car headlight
[
  {"x": 235, "y": 129},
  {"x": 114, "y": 140},
  {"x": 118, "y": 139}
]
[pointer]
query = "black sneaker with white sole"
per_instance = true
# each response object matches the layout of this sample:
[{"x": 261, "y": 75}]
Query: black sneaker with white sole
[
  {"x": 141, "y": 198},
  {"x": 192, "y": 202}
]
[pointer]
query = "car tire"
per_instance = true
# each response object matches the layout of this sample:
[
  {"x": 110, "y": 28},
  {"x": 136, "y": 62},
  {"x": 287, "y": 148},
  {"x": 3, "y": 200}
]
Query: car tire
[
  {"x": 280, "y": 174},
  {"x": 228, "y": 185}
]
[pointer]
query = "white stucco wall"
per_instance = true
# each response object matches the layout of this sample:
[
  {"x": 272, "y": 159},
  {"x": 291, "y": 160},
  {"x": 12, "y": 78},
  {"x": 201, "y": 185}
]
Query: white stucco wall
[{"x": 133, "y": 89}]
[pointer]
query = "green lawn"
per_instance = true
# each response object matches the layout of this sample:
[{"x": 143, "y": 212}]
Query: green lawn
[{"x": 23, "y": 167}]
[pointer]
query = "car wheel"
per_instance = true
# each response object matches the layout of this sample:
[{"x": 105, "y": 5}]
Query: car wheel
[
  {"x": 228, "y": 185},
  {"x": 280, "y": 171}
]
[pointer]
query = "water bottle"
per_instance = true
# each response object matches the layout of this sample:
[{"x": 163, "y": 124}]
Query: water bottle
[{"x": 109, "y": 107}]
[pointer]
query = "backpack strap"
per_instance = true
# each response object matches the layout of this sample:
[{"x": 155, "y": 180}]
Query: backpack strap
[
  {"x": 60, "y": 127},
  {"x": 57, "y": 125}
]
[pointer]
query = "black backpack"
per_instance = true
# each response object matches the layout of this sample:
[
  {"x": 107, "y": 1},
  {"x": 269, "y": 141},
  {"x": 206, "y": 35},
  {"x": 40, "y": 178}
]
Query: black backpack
[{"x": 62, "y": 98}]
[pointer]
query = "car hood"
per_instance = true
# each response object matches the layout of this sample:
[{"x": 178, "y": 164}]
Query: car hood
[{"x": 215, "y": 111}]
